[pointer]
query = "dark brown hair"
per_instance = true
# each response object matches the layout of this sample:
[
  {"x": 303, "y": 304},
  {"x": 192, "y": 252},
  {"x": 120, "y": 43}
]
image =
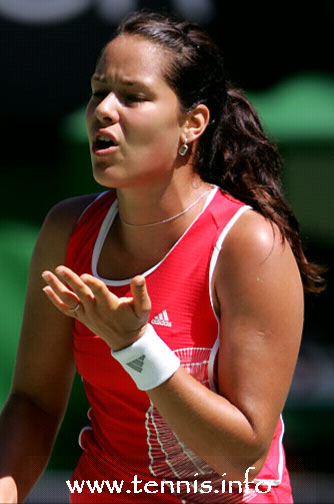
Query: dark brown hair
[{"x": 233, "y": 152}]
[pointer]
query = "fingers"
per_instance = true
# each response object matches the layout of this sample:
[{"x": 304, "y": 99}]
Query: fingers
[
  {"x": 100, "y": 291},
  {"x": 90, "y": 299},
  {"x": 58, "y": 303},
  {"x": 67, "y": 286},
  {"x": 141, "y": 300},
  {"x": 68, "y": 293},
  {"x": 76, "y": 283},
  {"x": 58, "y": 292}
]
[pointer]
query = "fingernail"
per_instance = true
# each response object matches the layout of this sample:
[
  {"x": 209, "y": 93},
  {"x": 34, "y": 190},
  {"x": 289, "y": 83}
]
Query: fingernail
[{"x": 45, "y": 276}]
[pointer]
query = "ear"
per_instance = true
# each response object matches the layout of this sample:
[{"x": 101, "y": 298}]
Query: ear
[{"x": 195, "y": 123}]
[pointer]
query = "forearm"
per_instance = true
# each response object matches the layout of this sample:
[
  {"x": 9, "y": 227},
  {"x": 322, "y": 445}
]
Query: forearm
[
  {"x": 27, "y": 435},
  {"x": 208, "y": 424}
]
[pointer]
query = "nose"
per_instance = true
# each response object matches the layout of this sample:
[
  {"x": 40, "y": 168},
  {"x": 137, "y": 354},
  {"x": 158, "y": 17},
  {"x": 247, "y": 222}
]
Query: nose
[{"x": 106, "y": 110}]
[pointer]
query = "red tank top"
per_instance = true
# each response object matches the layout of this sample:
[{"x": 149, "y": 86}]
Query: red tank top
[{"x": 127, "y": 438}]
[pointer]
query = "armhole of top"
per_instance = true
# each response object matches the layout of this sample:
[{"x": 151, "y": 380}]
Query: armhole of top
[
  {"x": 71, "y": 237},
  {"x": 218, "y": 246},
  {"x": 213, "y": 262}
]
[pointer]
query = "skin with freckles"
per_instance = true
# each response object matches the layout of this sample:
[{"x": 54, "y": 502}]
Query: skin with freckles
[{"x": 256, "y": 289}]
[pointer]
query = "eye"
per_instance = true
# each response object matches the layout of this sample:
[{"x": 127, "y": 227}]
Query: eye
[
  {"x": 99, "y": 93},
  {"x": 127, "y": 99},
  {"x": 133, "y": 98}
]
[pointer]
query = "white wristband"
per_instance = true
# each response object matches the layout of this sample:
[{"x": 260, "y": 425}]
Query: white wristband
[{"x": 149, "y": 361}]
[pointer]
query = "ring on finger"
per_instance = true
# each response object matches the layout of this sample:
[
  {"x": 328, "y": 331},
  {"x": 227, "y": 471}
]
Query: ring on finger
[{"x": 75, "y": 308}]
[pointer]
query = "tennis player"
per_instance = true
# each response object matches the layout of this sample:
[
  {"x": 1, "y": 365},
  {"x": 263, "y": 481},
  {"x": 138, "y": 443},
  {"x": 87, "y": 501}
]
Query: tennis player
[{"x": 176, "y": 293}]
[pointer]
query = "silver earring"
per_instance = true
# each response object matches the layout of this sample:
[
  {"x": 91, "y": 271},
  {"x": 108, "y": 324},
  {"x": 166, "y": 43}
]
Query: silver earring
[{"x": 184, "y": 148}]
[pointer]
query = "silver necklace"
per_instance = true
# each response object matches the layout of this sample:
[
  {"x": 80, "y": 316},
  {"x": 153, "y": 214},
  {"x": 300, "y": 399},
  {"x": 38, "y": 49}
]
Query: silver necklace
[{"x": 156, "y": 223}]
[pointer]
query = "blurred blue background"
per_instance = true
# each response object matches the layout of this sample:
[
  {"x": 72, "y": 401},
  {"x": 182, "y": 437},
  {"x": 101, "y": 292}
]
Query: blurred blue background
[{"x": 280, "y": 57}]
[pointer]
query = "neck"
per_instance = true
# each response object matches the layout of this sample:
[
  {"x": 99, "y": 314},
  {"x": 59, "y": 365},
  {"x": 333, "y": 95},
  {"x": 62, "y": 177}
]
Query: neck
[
  {"x": 167, "y": 219},
  {"x": 144, "y": 204},
  {"x": 142, "y": 208}
]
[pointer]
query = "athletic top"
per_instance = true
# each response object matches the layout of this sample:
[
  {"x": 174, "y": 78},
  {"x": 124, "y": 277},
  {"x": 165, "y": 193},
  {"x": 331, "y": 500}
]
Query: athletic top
[{"x": 127, "y": 439}]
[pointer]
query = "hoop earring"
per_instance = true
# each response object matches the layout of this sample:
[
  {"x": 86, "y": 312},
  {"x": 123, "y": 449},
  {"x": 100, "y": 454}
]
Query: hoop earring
[{"x": 184, "y": 148}]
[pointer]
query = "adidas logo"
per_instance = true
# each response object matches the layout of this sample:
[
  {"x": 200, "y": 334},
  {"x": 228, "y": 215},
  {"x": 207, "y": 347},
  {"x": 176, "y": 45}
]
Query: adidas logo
[
  {"x": 162, "y": 319},
  {"x": 137, "y": 364}
]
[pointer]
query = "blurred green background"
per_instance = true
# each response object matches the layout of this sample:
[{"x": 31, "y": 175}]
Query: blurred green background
[{"x": 45, "y": 158}]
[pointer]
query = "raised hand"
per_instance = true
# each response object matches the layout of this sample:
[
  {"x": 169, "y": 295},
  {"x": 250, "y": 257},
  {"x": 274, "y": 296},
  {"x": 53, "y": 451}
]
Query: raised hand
[{"x": 118, "y": 321}]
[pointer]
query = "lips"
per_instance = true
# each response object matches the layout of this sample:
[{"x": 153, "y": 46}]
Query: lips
[{"x": 104, "y": 143}]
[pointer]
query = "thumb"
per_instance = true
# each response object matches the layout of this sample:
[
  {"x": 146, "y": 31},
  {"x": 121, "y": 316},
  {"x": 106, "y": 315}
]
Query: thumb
[{"x": 141, "y": 299}]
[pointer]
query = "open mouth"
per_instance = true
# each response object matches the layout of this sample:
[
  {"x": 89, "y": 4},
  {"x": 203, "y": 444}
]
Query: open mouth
[{"x": 102, "y": 143}]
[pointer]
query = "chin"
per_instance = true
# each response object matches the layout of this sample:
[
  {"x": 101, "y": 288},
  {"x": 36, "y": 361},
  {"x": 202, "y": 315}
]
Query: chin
[
  {"x": 106, "y": 175},
  {"x": 107, "y": 182},
  {"x": 111, "y": 182}
]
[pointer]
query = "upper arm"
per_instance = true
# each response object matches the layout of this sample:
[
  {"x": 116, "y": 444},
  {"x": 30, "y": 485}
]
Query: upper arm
[
  {"x": 259, "y": 295},
  {"x": 44, "y": 365}
]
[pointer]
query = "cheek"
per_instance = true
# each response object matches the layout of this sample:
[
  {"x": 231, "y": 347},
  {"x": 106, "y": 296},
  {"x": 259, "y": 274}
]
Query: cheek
[{"x": 153, "y": 127}]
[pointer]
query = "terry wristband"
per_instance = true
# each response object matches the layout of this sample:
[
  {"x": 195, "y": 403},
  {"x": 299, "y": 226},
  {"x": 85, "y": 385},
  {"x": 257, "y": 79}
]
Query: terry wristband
[{"x": 149, "y": 361}]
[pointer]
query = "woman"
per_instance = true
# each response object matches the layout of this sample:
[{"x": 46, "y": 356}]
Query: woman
[{"x": 164, "y": 269}]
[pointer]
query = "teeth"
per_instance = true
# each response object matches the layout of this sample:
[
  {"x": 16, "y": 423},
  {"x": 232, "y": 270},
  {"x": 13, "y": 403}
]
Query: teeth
[{"x": 104, "y": 139}]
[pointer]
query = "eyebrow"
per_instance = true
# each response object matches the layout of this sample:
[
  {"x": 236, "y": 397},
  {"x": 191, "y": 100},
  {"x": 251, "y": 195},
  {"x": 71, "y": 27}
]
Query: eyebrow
[{"x": 124, "y": 82}]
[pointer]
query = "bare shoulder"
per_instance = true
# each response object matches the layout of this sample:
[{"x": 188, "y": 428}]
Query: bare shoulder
[
  {"x": 66, "y": 213},
  {"x": 255, "y": 253},
  {"x": 253, "y": 238},
  {"x": 254, "y": 235},
  {"x": 58, "y": 226}
]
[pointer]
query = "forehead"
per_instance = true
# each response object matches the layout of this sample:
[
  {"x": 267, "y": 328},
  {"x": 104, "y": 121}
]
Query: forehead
[{"x": 132, "y": 57}]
